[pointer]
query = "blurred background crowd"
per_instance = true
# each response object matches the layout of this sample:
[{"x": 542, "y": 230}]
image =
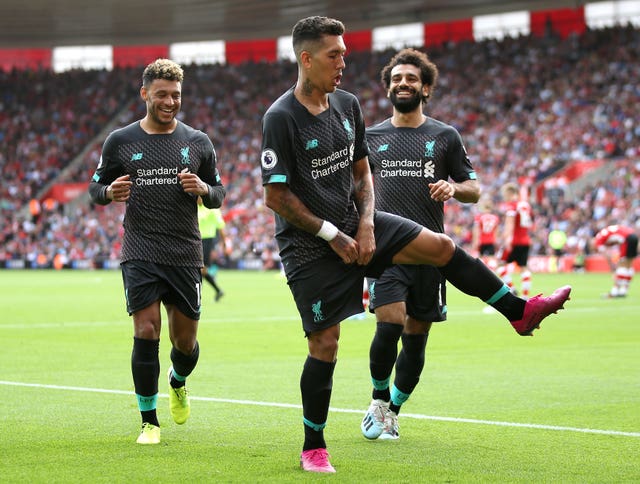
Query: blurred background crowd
[{"x": 526, "y": 108}]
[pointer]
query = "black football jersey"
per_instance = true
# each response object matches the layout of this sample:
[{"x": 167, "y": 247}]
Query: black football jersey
[
  {"x": 161, "y": 223},
  {"x": 405, "y": 160},
  {"x": 314, "y": 156}
]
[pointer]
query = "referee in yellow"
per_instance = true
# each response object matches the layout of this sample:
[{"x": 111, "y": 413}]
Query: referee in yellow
[{"x": 212, "y": 226}]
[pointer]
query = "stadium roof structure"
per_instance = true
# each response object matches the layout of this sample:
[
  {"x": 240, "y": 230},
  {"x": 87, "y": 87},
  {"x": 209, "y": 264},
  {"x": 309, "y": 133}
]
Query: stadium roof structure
[{"x": 50, "y": 23}]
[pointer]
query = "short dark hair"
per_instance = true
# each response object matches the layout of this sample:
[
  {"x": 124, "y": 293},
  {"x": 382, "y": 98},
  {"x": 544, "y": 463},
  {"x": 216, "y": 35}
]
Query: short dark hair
[
  {"x": 312, "y": 29},
  {"x": 162, "y": 69},
  {"x": 428, "y": 70}
]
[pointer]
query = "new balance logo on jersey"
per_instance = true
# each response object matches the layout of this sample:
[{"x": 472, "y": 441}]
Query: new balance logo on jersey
[
  {"x": 185, "y": 155},
  {"x": 311, "y": 144},
  {"x": 347, "y": 128},
  {"x": 382, "y": 148},
  {"x": 317, "y": 312},
  {"x": 428, "y": 148},
  {"x": 136, "y": 157}
]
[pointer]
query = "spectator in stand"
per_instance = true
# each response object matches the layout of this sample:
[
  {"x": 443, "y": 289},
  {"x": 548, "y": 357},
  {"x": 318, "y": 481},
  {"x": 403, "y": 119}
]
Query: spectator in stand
[{"x": 527, "y": 121}]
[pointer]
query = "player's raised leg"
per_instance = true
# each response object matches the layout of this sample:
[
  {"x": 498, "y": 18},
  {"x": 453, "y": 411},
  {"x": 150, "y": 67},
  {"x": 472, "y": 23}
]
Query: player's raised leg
[{"x": 471, "y": 276}]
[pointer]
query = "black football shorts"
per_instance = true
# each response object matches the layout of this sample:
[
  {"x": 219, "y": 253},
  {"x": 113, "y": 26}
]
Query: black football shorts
[
  {"x": 631, "y": 249},
  {"x": 147, "y": 282},
  {"x": 519, "y": 254},
  {"x": 329, "y": 291},
  {"x": 421, "y": 288}
]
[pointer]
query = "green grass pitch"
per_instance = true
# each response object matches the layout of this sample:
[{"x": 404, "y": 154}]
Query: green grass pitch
[{"x": 491, "y": 406}]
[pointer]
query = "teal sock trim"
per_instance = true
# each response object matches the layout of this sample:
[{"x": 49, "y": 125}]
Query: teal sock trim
[
  {"x": 498, "y": 295},
  {"x": 398, "y": 397},
  {"x": 178, "y": 377},
  {"x": 147, "y": 403},
  {"x": 381, "y": 384},
  {"x": 316, "y": 427}
]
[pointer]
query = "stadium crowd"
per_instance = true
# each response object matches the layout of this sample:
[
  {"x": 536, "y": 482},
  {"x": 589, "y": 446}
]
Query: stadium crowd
[{"x": 525, "y": 107}]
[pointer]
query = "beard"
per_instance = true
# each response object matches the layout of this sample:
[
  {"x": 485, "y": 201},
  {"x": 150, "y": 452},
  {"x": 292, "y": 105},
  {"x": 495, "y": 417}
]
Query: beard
[
  {"x": 161, "y": 121},
  {"x": 405, "y": 105}
]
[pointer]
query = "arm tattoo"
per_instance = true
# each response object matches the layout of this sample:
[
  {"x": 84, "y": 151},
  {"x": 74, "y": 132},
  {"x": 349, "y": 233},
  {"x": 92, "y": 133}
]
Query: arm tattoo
[
  {"x": 293, "y": 211},
  {"x": 364, "y": 198}
]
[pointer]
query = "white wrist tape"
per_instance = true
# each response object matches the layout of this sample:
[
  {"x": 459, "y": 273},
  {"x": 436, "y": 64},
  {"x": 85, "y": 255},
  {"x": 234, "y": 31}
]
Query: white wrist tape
[{"x": 328, "y": 231}]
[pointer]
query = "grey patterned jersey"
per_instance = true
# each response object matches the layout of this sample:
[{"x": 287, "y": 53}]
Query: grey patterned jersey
[
  {"x": 314, "y": 156},
  {"x": 161, "y": 222},
  {"x": 405, "y": 160}
]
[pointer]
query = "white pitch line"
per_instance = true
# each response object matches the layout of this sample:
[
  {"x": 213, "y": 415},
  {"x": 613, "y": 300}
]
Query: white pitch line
[
  {"x": 284, "y": 319},
  {"x": 339, "y": 410},
  {"x": 127, "y": 321}
]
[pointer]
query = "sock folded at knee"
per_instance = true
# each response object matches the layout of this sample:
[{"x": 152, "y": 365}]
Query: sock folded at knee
[
  {"x": 145, "y": 366},
  {"x": 183, "y": 364},
  {"x": 316, "y": 383},
  {"x": 145, "y": 369},
  {"x": 382, "y": 357},
  {"x": 408, "y": 368}
]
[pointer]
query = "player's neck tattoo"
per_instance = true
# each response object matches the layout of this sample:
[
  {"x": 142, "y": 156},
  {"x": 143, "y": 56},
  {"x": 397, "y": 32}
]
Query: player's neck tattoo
[{"x": 307, "y": 87}]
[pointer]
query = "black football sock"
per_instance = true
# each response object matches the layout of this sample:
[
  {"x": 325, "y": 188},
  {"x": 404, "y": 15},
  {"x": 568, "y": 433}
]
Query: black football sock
[
  {"x": 382, "y": 358},
  {"x": 473, "y": 277},
  {"x": 316, "y": 383},
  {"x": 183, "y": 365},
  {"x": 212, "y": 281},
  {"x": 145, "y": 368},
  {"x": 408, "y": 368},
  {"x": 508, "y": 304},
  {"x": 151, "y": 417}
]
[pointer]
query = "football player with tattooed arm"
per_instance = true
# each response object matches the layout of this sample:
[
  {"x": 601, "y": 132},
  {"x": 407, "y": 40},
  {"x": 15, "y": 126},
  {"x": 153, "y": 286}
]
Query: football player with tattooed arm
[
  {"x": 159, "y": 166},
  {"x": 317, "y": 180}
]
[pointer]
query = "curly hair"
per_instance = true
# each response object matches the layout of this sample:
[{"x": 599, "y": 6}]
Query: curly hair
[
  {"x": 162, "y": 69},
  {"x": 428, "y": 70}
]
